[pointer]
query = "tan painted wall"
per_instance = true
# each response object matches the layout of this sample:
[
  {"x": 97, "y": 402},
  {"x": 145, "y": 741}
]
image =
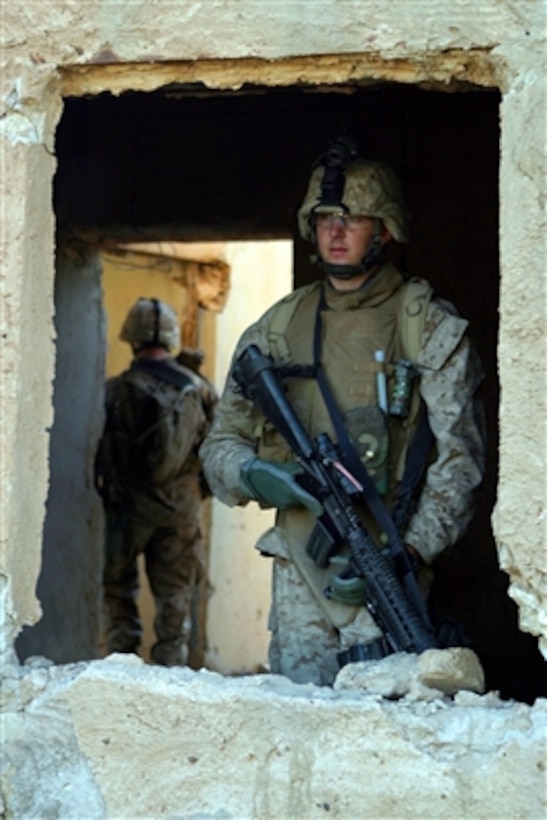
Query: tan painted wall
[
  {"x": 106, "y": 741},
  {"x": 125, "y": 279}
]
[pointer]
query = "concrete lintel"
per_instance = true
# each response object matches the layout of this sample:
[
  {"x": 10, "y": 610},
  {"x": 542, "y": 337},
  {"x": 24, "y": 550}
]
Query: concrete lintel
[{"x": 445, "y": 70}]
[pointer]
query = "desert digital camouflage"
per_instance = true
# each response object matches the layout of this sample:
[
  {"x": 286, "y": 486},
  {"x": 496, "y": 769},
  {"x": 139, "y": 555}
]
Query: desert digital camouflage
[{"x": 355, "y": 324}]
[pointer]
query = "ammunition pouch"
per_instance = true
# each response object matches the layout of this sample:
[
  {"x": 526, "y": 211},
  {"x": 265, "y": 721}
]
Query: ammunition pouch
[{"x": 368, "y": 432}]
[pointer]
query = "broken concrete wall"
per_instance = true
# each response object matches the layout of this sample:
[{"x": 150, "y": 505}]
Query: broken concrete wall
[
  {"x": 299, "y": 751},
  {"x": 117, "y": 739},
  {"x": 520, "y": 520},
  {"x": 27, "y": 129}
]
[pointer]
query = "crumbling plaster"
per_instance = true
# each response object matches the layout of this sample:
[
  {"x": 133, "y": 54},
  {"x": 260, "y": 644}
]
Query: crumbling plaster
[
  {"x": 88, "y": 740},
  {"x": 479, "y": 749}
]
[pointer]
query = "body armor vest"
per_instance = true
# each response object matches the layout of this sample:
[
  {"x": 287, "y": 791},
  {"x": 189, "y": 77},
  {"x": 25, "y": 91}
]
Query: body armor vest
[
  {"x": 387, "y": 314},
  {"x": 355, "y": 326}
]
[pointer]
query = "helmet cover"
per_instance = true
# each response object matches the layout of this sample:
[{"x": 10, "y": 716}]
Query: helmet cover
[
  {"x": 371, "y": 188},
  {"x": 151, "y": 321}
]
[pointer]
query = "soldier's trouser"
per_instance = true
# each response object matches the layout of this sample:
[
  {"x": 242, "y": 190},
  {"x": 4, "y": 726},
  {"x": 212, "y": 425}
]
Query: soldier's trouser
[
  {"x": 123, "y": 628},
  {"x": 304, "y": 644},
  {"x": 172, "y": 565}
]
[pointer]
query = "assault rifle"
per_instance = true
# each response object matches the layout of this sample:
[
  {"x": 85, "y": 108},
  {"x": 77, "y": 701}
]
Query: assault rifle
[{"x": 396, "y": 607}]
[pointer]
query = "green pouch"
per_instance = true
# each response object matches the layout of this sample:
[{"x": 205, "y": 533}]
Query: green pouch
[{"x": 368, "y": 431}]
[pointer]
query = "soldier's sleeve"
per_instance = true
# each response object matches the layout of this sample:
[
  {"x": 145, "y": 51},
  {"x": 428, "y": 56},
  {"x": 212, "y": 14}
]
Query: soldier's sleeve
[
  {"x": 234, "y": 434},
  {"x": 450, "y": 375}
]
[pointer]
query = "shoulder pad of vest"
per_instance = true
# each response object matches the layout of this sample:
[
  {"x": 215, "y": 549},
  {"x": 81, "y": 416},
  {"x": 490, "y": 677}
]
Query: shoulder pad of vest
[
  {"x": 280, "y": 320},
  {"x": 416, "y": 296},
  {"x": 298, "y": 294}
]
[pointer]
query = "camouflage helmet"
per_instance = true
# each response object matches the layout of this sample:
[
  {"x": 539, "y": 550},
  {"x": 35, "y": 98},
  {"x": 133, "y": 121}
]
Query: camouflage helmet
[
  {"x": 370, "y": 188},
  {"x": 151, "y": 322}
]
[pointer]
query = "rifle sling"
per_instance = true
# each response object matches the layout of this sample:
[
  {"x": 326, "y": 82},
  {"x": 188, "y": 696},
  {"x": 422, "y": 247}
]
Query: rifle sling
[{"x": 415, "y": 464}]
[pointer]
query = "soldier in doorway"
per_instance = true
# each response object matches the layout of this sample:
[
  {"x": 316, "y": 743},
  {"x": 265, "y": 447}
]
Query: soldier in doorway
[
  {"x": 149, "y": 476},
  {"x": 344, "y": 343}
]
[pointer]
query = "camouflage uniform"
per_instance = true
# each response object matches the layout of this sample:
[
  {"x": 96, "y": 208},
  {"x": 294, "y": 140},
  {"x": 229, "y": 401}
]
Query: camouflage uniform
[
  {"x": 306, "y": 629},
  {"x": 152, "y": 507},
  {"x": 364, "y": 310}
]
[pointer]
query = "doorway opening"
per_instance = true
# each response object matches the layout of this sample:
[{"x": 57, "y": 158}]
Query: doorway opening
[
  {"x": 210, "y": 287},
  {"x": 175, "y": 165}
]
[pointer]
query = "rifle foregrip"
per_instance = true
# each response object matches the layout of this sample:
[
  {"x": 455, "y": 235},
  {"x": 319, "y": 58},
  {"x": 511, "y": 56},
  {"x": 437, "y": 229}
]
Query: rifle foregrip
[{"x": 387, "y": 600}]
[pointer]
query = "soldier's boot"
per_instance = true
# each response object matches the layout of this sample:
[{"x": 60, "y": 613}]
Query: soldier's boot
[
  {"x": 169, "y": 653},
  {"x": 122, "y": 625},
  {"x": 122, "y": 638},
  {"x": 172, "y": 626}
]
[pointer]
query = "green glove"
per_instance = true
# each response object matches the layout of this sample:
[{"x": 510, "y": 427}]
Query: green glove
[{"x": 274, "y": 484}]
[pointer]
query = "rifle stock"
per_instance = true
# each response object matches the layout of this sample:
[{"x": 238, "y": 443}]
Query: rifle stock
[{"x": 402, "y": 624}]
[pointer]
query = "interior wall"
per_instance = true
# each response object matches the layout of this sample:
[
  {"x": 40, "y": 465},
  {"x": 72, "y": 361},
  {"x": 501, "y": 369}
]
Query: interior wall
[
  {"x": 128, "y": 276},
  {"x": 69, "y": 584}
]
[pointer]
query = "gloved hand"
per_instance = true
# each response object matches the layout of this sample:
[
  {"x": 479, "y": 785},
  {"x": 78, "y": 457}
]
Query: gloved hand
[{"x": 274, "y": 484}]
